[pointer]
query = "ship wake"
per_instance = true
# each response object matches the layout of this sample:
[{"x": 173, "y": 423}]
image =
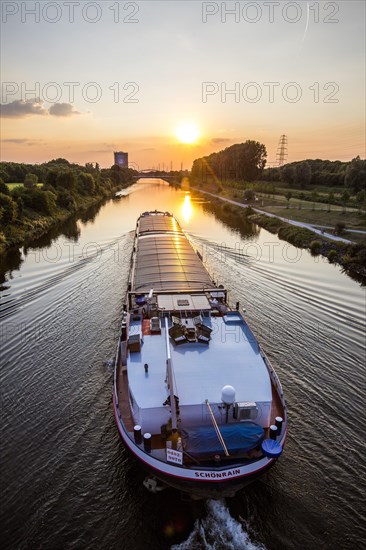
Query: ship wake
[{"x": 218, "y": 531}]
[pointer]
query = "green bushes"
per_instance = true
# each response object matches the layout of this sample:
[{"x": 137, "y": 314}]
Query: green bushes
[
  {"x": 8, "y": 209},
  {"x": 315, "y": 247},
  {"x": 298, "y": 236},
  {"x": 339, "y": 228},
  {"x": 38, "y": 200},
  {"x": 66, "y": 179},
  {"x": 86, "y": 184},
  {"x": 28, "y": 211},
  {"x": 357, "y": 253},
  {"x": 332, "y": 256},
  {"x": 4, "y": 188},
  {"x": 66, "y": 200}
]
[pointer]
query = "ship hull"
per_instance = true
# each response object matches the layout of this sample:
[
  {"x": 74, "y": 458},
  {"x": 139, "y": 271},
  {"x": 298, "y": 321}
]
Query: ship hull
[{"x": 199, "y": 482}]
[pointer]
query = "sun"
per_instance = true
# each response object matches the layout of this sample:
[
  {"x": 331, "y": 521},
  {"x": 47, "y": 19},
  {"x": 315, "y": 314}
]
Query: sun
[{"x": 188, "y": 133}]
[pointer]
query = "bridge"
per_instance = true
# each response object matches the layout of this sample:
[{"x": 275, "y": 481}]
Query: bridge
[{"x": 151, "y": 173}]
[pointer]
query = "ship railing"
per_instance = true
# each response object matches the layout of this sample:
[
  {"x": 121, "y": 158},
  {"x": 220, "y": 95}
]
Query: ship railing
[
  {"x": 275, "y": 380},
  {"x": 116, "y": 367}
]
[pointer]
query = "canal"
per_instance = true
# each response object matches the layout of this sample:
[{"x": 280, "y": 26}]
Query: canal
[{"x": 66, "y": 479}]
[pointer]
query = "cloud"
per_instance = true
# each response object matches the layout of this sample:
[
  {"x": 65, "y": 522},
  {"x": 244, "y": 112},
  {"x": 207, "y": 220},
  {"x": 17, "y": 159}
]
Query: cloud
[
  {"x": 63, "y": 110},
  {"x": 220, "y": 140},
  {"x": 148, "y": 149},
  {"x": 16, "y": 141},
  {"x": 22, "y": 141},
  {"x": 21, "y": 109}
]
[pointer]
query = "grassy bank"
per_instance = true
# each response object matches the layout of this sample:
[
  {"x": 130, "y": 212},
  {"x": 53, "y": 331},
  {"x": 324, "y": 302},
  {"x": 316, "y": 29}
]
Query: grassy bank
[
  {"x": 311, "y": 212},
  {"x": 352, "y": 220},
  {"x": 351, "y": 257}
]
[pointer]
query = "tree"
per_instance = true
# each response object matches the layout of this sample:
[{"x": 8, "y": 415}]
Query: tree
[
  {"x": 288, "y": 174},
  {"x": 66, "y": 179},
  {"x": 89, "y": 167},
  {"x": 251, "y": 159},
  {"x": 118, "y": 175},
  {"x": 86, "y": 184},
  {"x": 51, "y": 178},
  {"x": 249, "y": 195},
  {"x": 355, "y": 177},
  {"x": 20, "y": 206},
  {"x": 43, "y": 201},
  {"x": 314, "y": 196},
  {"x": 339, "y": 228},
  {"x": 303, "y": 174},
  {"x": 288, "y": 198},
  {"x": 361, "y": 198},
  {"x": 36, "y": 199},
  {"x": 271, "y": 174},
  {"x": 330, "y": 199},
  {"x": 4, "y": 188},
  {"x": 345, "y": 198},
  {"x": 4, "y": 175},
  {"x": 241, "y": 162},
  {"x": 30, "y": 180},
  {"x": 8, "y": 209},
  {"x": 59, "y": 160},
  {"x": 66, "y": 200}
]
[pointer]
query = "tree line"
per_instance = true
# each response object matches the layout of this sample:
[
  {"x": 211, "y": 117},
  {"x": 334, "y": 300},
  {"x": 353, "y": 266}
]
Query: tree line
[
  {"x": 240, "y": 162},
  {"x": 64, "y": 185},
  {"x": 302, "y": 174},
  {"x": 245, "y": 162}
]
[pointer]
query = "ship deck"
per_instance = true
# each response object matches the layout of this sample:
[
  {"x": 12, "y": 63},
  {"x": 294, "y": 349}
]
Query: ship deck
[
  {"x": 158, "y": 442},
  {"x": 232, "y": 357}
]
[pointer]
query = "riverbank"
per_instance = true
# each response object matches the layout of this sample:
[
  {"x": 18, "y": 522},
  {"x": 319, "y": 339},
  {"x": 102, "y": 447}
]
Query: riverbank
[
  {"x": 32, "y": 225},
  {"x": 350, "y": 256},
  {"x": 310, "y": 212}
]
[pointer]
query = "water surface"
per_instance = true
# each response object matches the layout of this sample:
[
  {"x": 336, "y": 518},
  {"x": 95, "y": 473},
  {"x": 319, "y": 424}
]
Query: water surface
[{"x": 66, "y": 479}]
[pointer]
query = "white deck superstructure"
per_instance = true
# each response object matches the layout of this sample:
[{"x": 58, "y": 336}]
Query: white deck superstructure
[{"x": 200, "y": 370}]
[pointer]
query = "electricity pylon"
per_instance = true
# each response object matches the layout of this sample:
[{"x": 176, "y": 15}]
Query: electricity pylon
[{"x": 282, "y": 150}]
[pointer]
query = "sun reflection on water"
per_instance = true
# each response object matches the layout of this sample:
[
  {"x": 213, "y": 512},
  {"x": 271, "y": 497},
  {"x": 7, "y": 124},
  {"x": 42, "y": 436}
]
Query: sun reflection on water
[{"x": 187, "y": 208}]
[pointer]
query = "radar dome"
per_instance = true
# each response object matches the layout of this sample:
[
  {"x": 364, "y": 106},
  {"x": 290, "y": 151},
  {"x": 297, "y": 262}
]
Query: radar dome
[{"x": 228, "y": 395}]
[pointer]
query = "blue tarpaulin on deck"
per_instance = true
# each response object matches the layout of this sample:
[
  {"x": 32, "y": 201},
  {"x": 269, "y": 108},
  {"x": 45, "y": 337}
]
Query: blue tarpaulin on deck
[{"x": 239, "y": 438}]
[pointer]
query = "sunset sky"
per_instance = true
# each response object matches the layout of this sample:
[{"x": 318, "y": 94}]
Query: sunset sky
[{"x": 161, "y": 57}]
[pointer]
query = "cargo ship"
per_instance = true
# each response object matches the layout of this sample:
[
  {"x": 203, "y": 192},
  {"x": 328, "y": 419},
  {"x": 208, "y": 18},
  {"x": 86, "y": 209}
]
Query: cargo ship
[{"x": 195, "y": 397}]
